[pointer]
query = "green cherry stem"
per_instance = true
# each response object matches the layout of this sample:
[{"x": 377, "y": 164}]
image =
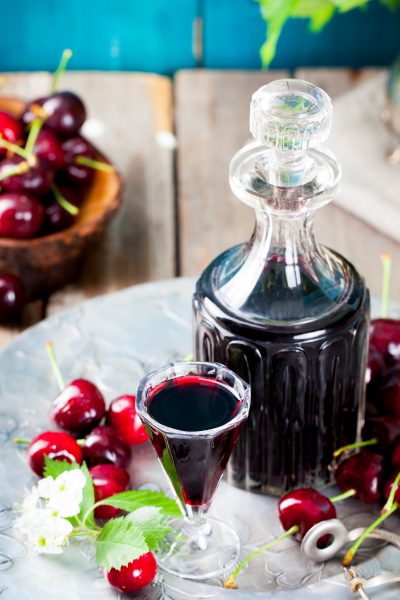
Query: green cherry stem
[
  {"x": 63, "y": 202},
  {"x": 355, "y": 446},
  {"x": 390, "y": 501},
  {"x": 13, "y": 148},
  {"x": 230, "y": 582},
  {"x": 65, "y": 57},
  {"x": 98, "y": 165},
  {"x": 21, "y": 167},
  {"x": 386, "y": 272},
  {"x": 54, "y": 365},
  {"x": 19, "y": 440},
  {"x": 348, "y": 557},
  {"x": 36, "y": 126},
  {"x": 343, "y": 496}
]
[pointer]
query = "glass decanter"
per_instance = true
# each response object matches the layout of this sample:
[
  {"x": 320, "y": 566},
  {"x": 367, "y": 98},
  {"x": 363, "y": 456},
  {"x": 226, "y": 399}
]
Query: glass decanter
[{"x": 285, "y": 313}]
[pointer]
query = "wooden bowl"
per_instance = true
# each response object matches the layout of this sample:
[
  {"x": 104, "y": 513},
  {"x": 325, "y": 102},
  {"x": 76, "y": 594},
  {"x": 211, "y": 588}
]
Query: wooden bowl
[{"x": 47, "y": 263}]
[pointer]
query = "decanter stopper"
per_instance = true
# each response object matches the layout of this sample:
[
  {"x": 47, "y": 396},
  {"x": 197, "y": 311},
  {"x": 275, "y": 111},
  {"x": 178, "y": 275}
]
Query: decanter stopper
[{"x": 290, "y": 115}]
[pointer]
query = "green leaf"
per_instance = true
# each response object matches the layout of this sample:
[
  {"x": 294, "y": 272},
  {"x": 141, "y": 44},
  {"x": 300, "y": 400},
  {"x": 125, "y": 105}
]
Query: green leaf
[
  {"x": 346, "y": 5},
  {"x": 152, "y": 524},
  {"x": 54, "y": 468},
  {"x": 118, "y": 543},
  {"x": 133, "y": 499},
  {"x": 391, "y": 4},
  {"x": 321, "y": 17},
  {"x": 87, "y": 499}
]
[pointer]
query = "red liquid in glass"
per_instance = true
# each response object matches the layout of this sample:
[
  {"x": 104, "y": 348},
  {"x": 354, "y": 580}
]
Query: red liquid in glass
[{"x": 194, "y": 463}]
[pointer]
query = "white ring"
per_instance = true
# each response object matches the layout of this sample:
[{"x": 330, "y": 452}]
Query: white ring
[{"x": 332, "y": 527}]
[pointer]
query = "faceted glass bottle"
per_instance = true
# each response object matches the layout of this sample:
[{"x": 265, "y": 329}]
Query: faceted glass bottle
[{"x": 285, "y": 313}]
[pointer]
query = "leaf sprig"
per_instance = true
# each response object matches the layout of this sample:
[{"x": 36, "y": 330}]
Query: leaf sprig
[
  {"x": 122, "y": 539},
  {"x": 319, "y": 12}
]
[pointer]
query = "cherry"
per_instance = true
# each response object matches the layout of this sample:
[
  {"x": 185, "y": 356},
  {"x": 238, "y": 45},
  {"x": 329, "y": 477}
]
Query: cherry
[
  {"x": 54, "y": 444},
  {"x": 56, "y": 217},
  {"x": 74, "y": 147},
  {"x": 385, "y": 338},
  {"x": 103, "y": 445},
  {"x": 21, "y": 215},
  {"x": 10, "y": 130},
  {"x": 122, "y": 416},
  {"x": 12, "y": 296},
  {"x": 48, "y": 149},
  {"x": 108, "y": 479},
  {"x": 78, "y": 407},
  {"x": 135, "y": 575},
  {"x": 362, "y": 473},
  {"x": 390, "y": 390},
  {"x": 387, "y": 488},
  {"x": 376, "y": 364},
  {"x": 384, "y": 429},
  {"x": 395, "y": 456},
  {"x": 304, "y": 507},
  {"x": 33, "y": 180},
  {"x": 63, "y": 112}
]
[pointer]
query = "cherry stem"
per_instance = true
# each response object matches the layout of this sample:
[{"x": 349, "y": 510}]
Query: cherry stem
[
  {"x": 21, "y": 167},
  {"x": 386, "y": 266},
  {"x": 65, "y": 57},
  {"x": 230, "y": 582},
  {"x": 36, "y": 126},
  {"x": 85, "y": 161},
  {"x": 348, "y": 557},
  {"x": 390, "y": 501},
  {"x": 54, "y": 365},
  {"x": 63, "y": 202},
  {"x": 12, "y": 148},
  {"x": 18, "y": 440},
  {"x": 344, "y": 496},
  {"x": 355, "y": 446}
]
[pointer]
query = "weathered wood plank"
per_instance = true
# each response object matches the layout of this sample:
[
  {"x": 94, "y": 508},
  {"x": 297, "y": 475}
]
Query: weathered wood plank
[
  {"x": 335, "y": 227},
  {"x": 212, "y": 121},
  {"x": 130, "y": 119}
]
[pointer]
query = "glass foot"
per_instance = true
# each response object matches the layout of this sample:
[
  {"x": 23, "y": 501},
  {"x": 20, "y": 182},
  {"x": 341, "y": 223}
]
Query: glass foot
[{"x": 200, "y": 551}]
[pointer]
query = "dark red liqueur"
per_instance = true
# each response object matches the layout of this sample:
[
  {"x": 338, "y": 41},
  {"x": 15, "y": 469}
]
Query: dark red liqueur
[
  {"x": 307, "y": 382},
  {"x": 194, "y": 463}
]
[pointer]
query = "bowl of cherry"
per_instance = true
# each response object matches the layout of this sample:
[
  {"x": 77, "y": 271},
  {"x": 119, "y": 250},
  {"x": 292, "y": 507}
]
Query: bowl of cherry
[{"x": 57, "y": 191}]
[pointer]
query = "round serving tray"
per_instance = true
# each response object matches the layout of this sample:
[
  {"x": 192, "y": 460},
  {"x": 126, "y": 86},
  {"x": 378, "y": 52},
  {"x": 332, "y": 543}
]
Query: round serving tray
[{"x": 114, "y": 340}]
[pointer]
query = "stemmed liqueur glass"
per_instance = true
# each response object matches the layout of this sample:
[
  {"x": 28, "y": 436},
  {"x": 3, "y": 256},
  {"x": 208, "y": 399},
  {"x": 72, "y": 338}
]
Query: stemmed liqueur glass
[{"x": 193, "y": 412}]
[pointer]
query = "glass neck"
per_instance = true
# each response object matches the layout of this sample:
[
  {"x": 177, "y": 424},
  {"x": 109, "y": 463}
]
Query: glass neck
[{"x": 282, "y": 274}]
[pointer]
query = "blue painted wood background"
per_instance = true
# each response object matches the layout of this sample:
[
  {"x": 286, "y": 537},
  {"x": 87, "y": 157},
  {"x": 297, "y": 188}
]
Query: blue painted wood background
[{"x": 156, "y": 35}]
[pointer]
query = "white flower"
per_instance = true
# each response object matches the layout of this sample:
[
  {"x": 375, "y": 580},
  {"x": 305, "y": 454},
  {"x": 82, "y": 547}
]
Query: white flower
[
  {"x": 63, "y": 495},
  {"x": 45, "y": 533}
]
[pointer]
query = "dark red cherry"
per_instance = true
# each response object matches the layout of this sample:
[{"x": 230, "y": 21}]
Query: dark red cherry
[
  {"x": 35, "y": 180},
  {"x": 387, "y": 488},
  {"x": 376, "y": 365},
  {"x": 48, "y": 149},
  {"x": 395, "y": 456},
  {"x": 74, "y": 147},
  {"x": 385, "y": 429},
  {"x": 103, "y": 445},
  {"x": 363, "y": 473},
  {"x": 390, "y": 390},
  {"x": 10, "y": 130},
  {"x": 12, "y": 297},
  {"x": 54, "y": 444},
  {"x": 385, "y": 338},
  {"x": 56, "y": 217},
  {"x": 63, "y": 112},
  {"x": 122, "y": 416},
  {"x": 78, "y": 407},
  {"x": 304, "y": 507},
  {"x": 108, "y": 479},
  {"x": 21, "y": 215},
  {"x": 134, "y": 576}
]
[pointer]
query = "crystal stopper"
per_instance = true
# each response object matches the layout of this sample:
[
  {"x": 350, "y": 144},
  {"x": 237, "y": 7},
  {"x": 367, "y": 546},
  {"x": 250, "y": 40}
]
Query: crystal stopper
[{"x": 290, "y": 115}]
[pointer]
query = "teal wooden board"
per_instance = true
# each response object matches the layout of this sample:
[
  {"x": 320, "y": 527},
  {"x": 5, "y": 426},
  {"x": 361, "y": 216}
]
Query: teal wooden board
[
  {"x": 150, "y": 35},
  {"x": 234, "y": 32}
]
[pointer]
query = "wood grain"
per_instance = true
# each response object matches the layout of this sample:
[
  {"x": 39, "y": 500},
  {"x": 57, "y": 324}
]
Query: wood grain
[
  {"x": 335, "y": 227},
  {"x": 212, "y": 121}
]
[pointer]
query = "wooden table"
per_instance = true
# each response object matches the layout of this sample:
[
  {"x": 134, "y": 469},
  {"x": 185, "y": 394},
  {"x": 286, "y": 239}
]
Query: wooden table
[{"x": 172, "y": 142}]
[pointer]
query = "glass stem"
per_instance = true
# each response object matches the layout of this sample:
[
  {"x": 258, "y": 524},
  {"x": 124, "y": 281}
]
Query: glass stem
[{"x": 198, "y": 526}]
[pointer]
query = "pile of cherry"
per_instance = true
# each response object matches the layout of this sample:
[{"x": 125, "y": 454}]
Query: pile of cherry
[
  {"x": 46, "y": 166},
  {"x": 103, "y": 438}
]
